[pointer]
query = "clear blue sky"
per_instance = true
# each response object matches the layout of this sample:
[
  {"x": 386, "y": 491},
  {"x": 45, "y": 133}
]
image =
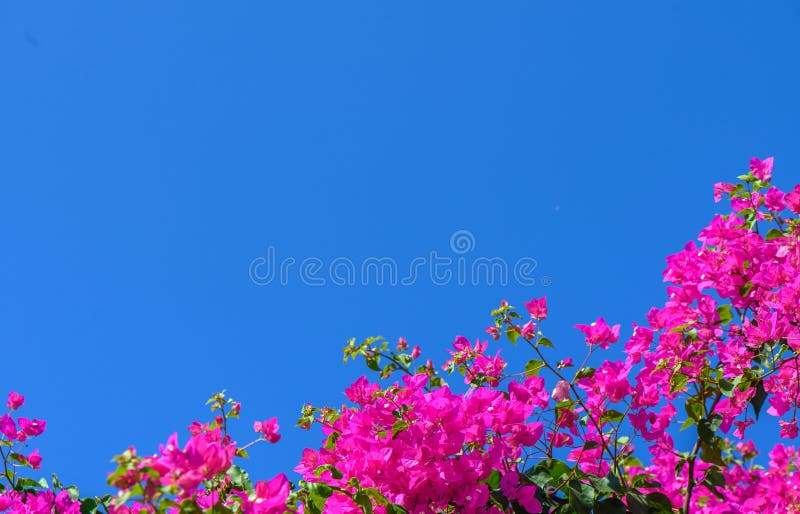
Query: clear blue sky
[{"x": 150, "y": 151}]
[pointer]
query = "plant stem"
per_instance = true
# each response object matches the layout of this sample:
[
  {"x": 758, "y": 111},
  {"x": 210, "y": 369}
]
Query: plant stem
[{"x": 690, "y": 483}]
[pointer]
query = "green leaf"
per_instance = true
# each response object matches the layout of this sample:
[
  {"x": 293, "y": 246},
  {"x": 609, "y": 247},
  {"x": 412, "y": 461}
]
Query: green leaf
[
  {"x": 694, "y": 408},
  {"x": 726, "y": 387},
  {"x": 18, "y": 458},
  {"x": 677, "y": 382},
  {"x": 493, "y": 480},
  {"x": 398, "y": 427},
  {"x": 239, "y": 477},
  {"x": 189, "y": 506},
  {"x": 89, "y": 506},
  {"x": 757, "y": 401},
  {"x": 362, "y": 500},
  {"x": 313, "y": 505},
  {"x": 611, "y": 416},
  {"x": 659, "y": 503},
  {"x": 715, "y": 477},
  {"x": 774, "y": 233},
  {"x": 437, "y": 382},
  {"x": 372, "y": 363},
  {"x": 320, "y": 489},
  {"x": 725, "y": 314},
  {"x": 637, "y": 503},
  {"x": 682, "y": 328},
  {"x": 28, "y": 482},
  {"x": 543, "y": 341},
  {"x": 547, "y": 471},
  {"x": 376, "y": 495},
  {"x": 707, "y": 428},
  {"x": 512, "y": 334},
  {"x": 611, "y": 506},
  {"x": 584, "y": 372},
  {"x": 533, "y": 367},
  {"x": 606, "y": 485},
  {"x": 335, "y": 473},
  {"x": 644, "y": 481},
  {"x": 711, "y": 452},
  {"x": 581, "y": 496},
  {"x": 219, "y": 508},
  {"x": 404, "y": 359},
  {"x": 134, "y": 491},
  {"x": 330, "y": 442},
  {"x": 387, "y": 370}
]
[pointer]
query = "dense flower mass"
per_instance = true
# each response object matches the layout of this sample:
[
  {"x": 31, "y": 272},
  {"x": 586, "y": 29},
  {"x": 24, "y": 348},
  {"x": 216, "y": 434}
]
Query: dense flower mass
[
  {"x": 720, "y": 353},
  {"x": 428, "y": 450}
]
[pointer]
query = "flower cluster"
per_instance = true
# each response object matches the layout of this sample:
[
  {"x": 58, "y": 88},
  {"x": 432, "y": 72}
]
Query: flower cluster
[
  {"x": 199, "y": 475},
  {"x": 18, "y": 493},
  {"x": 428, "y": 449}
]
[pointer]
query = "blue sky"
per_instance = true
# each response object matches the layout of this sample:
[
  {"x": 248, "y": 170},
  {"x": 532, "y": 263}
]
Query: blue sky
[{"x": 151, "y": 151}]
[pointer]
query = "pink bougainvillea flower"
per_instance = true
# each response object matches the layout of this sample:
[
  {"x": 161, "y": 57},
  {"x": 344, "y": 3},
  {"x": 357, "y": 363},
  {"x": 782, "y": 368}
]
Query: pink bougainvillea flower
[
  {"x": 741, "y": 426},
  {"x": 561, "y": 391},
  {"x": 788, "y": 429},
  {"x": 528, "y": 330},
  {"x": 361, "y": 392},
  {"x": 204, "y": 456},
  {"x": 526, "y": 496},
  {"x": 609, "y": 381},
  {"x": 639, "y": 343},
  {"x": 490, "y": 368},
  {"x": 269, "y": 429},
  {"x": 762, "y": 170},
  {"x": 720, "y": 188},
  {"x": 196, "y": 427},
  {"x": 537, "y": 308},
  {"x": 31, "y": 427},
  {"x": 773, "y": 200},
  {"x": 402, "y": 344},
  {"x": 508, "y": 483},
  {"x": 792, "y": 199},
  {"x": 8, "y": 427},
  {"x": 565, "y": 363},
  {"x": 271, "y": 495},
  {"x": 35, "y": 459},
  {"x": 15, "y": 400},
  {"x": 599, "y": 333},
  {"x": 559, "y": 439},
  {"x": 658, "y": 422}
]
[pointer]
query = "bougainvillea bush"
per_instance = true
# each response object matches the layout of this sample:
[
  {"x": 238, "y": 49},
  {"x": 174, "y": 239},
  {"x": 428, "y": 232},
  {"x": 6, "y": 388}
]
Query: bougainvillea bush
[{"x": 558, "y": 436}]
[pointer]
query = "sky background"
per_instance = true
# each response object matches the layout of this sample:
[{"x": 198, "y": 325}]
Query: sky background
[{"x": 150, "y": 151}]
